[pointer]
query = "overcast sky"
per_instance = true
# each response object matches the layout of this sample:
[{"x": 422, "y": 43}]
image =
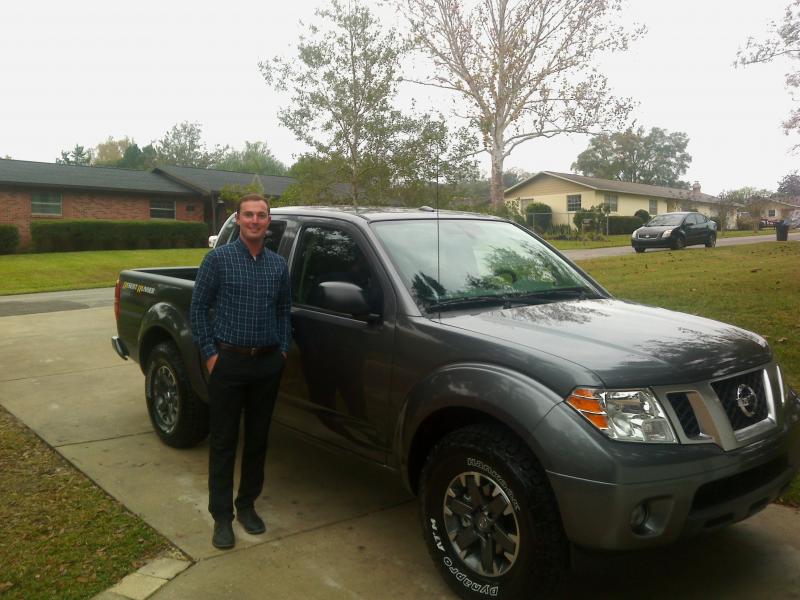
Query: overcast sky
[{"x": 78, "y": 72}]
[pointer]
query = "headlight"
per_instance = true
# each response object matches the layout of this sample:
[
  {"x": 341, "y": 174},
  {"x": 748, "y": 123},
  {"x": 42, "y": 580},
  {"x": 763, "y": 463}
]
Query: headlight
[
  {"x": 667, "y": 233},
  {"x": 624, "y": 415},
  {"x": 633, "y": 235}
]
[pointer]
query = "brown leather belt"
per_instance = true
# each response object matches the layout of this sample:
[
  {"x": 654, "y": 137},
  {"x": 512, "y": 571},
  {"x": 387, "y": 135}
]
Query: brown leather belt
[{"x": 254, "y": 351}]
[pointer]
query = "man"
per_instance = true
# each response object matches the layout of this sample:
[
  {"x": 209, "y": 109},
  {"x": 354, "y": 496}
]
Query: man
[{"x": 244, "y": 347}]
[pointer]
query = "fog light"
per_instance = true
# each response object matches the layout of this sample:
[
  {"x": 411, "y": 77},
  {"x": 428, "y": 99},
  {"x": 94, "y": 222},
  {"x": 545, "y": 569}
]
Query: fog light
[{"x": 638, "y": 517}]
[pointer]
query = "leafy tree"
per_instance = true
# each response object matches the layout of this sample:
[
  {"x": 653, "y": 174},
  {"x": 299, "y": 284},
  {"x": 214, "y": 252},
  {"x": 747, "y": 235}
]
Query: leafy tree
[
  {"x": 524, "y": 68},
  {"x": 343, "y": 83},
  {"x": 655, "y": 158},
  {"x": 256, "y": 157},
  {"x": 230, "y": 194},
  {"x": 316, "y": 181},
  {"x": 182, "y": 146},
  {"x": 137, "y": 158},
  {"x": 783, "y": 41},
  {"x": 110, "y": 152},
  {"x": 790, "y": 185},
  {"x": 77, "y": 156}
]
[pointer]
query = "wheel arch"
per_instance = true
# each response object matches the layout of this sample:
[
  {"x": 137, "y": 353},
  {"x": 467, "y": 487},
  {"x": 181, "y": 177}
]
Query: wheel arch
[
  {"x": 163, "y": 322},
  {"x": 484, "y": 394}
]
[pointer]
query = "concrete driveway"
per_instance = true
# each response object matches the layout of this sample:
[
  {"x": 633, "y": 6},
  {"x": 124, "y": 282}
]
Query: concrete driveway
[{"x": 337, "y": 527}]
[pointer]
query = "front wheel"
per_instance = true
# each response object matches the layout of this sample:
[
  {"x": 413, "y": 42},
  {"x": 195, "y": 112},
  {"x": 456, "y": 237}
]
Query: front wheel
[
  {"x": 711, "y": 241},
  {"x": 489, "y": 517},
  {"x": 638, "y": 250},
  {"x": 178, "y": 416},
  {"x": 679, "y": 243}
]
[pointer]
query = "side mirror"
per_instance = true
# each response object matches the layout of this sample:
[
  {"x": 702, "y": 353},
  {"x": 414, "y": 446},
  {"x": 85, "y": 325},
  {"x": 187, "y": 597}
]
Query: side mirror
[{"x": 343, "y": 297}]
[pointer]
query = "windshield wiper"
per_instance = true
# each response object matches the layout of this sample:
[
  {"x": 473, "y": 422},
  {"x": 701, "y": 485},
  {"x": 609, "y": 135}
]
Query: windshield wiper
[
  {"x": 533, "y": 297},
  {"x": 516, "y": 298},
  {"x": 467, "y": 301}
]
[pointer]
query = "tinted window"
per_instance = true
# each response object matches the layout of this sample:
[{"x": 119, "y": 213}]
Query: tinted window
[{"x": 329, "y": 254}]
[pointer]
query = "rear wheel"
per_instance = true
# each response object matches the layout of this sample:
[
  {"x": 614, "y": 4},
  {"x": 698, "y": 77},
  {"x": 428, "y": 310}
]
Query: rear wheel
[
  {"x": 711, "y": 241},
  {"x": 178, "y": 416},
  {"x": 489, "y": 517}
]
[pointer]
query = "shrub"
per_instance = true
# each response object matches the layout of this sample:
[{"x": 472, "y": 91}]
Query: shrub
[
  {"x": 642, "y": 214},
  {"x": 744, "y": 222},
  {"x": 539, "y": 216},
  {"x": 560, "y": 232},
  {"x": 9, "y": 238},
  {"x": 619, "y": 224},
  {"x": 92, "y": 234},
  {"x": 590, "y": 215}
]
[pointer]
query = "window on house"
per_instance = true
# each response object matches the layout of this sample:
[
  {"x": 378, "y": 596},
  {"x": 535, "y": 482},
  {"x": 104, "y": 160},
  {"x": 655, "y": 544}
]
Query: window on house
[
  {"x": 46, "y": 203},
  {"x": 162, "y": 209},
  {"x": 611, "y": 201},
  {"x": 771, "y": 212},
  {"x": 653, "y": 207},
  {"x": 573, "y": 202}
]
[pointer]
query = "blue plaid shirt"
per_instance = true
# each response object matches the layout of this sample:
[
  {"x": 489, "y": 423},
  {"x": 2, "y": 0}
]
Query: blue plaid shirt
[{"x": 249, "y": 296}]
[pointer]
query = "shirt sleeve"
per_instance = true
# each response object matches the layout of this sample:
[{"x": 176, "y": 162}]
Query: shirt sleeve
[
  {"x": 283, "y": 311},
  {"x": 205, "y": 293}
]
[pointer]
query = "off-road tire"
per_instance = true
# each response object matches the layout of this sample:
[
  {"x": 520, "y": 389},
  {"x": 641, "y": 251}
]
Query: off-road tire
[
  {"x": 512, "y": 512},
  {"x": 178, "y": 416},
  {"x": 711, "y": 241}
]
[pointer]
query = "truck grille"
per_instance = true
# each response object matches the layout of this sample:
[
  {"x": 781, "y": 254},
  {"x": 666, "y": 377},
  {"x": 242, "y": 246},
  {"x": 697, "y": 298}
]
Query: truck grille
[
  {"x": 744, "y": 399},
  {"x": 683, "y": 409}
]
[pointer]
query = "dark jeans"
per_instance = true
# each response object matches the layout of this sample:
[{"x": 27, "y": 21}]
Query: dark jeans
[{"x": 239, "y": 385}]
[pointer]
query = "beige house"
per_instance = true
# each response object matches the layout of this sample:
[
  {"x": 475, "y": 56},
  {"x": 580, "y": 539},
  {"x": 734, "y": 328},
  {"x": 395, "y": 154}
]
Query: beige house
[
  {"x": 566, "y": 193},
  {"x": 776, "y": 210}
]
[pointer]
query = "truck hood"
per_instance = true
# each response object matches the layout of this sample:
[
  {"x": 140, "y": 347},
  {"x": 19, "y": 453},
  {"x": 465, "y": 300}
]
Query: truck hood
[{"x": 625, "y": 344}]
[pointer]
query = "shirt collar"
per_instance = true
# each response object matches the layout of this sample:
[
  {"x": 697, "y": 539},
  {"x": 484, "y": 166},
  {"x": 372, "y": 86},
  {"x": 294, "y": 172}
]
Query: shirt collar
[{"x": 245, "y": 250}]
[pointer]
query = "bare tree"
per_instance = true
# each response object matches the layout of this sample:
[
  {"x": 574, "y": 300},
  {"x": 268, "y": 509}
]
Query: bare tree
[
  {"x": 524, "y": 67},
  {"x": 783, "y": 41}
]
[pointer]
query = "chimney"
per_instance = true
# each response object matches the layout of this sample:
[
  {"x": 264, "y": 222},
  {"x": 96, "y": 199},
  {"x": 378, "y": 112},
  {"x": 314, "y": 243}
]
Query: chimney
[{"x": 696, "y": 187}]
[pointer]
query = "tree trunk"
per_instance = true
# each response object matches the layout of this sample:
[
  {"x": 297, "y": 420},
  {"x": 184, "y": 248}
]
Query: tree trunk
[{"x": 497, "y": 188}]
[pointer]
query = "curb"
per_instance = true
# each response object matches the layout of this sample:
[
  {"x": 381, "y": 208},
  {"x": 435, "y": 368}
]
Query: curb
[{"x": 146, "y": 581}]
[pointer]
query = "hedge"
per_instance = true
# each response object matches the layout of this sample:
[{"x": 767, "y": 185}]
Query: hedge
[
  {"x": 620, "y": 224},
  {"x": 94, "y": 234},
  {"x": 539, "y": 216},
  {"x": 9, "y": 238}
]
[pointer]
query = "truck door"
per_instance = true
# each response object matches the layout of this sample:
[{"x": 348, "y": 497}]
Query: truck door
[{"x": 338, "y": 374}]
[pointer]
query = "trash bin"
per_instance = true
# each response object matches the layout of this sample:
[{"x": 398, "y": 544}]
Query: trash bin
[{"x": 782, "y": 231}]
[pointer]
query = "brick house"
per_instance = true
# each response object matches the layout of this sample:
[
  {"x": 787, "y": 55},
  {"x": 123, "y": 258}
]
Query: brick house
[{"x": 32, "y": 190}]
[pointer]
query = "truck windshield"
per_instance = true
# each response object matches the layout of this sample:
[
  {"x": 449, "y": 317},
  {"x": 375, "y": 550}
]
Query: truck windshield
[{"x": 480, "y": 262}]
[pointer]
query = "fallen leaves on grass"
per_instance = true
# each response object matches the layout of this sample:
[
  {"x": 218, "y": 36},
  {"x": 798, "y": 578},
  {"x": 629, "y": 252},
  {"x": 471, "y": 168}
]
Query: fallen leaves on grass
[{"x": 61, "y": 537}]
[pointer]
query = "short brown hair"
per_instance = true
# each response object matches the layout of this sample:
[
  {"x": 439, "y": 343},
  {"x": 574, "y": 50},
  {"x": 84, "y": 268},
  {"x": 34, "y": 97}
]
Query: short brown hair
[{"x": 251, "y": 198}]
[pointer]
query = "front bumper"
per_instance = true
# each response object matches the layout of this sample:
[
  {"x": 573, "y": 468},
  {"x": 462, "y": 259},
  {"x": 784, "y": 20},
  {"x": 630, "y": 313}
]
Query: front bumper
[
  {"x": 652, "y": 242},
  {"x": 681, "y": 489},
  {"x": 598, "y": 514}
]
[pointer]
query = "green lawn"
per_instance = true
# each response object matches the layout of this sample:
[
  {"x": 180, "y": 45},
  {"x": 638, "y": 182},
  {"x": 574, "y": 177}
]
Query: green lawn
[{"x": 26, "y": 273}]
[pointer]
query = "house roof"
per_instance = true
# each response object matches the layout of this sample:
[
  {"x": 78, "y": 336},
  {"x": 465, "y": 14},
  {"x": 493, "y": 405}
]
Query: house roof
[
  {"x": 626, "y": 187},
  {"x": 48, "y": 175},
  {"x": 211, "y": 181}
]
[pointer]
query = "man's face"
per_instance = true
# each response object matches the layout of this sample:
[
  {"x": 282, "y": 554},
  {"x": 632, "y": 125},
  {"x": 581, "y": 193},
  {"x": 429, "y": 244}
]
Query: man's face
[{"x": 253, "y": 219}]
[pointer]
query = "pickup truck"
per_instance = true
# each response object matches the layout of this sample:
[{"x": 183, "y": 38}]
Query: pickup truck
[{"x": 527, "y": 408}]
